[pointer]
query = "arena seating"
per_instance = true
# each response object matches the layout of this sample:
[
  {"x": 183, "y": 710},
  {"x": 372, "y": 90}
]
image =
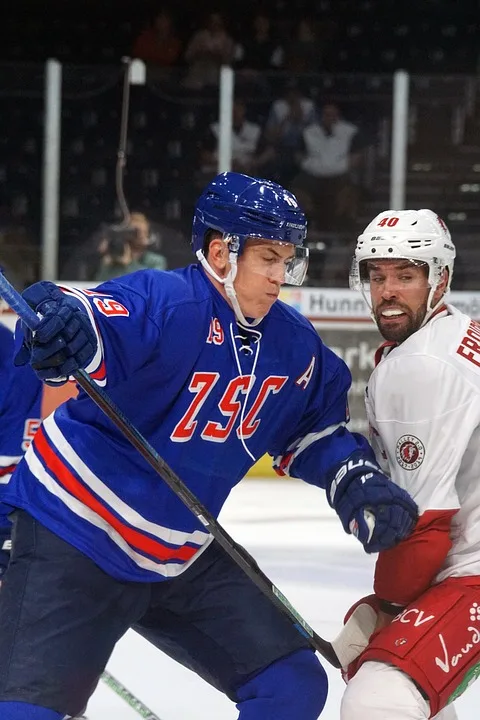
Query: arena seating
[{"x": 167, "y": 123}]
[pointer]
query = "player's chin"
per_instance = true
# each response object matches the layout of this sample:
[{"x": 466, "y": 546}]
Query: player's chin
[
  {"x": 394, "y": 330},
  {"x": 262, "y": 307},
  {"x": 271, "y": 300}
]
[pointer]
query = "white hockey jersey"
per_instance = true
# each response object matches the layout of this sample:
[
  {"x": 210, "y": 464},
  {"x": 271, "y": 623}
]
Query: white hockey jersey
[{"x": 423, "y": 406}]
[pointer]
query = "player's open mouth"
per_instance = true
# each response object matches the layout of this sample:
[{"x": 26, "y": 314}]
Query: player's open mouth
[{"x": 392, "y": 314}]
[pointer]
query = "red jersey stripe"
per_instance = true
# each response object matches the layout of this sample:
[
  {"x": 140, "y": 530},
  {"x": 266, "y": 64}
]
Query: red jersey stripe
[
  {"x": 134, "y": 538},
  {"x": 7, "y": 470}
]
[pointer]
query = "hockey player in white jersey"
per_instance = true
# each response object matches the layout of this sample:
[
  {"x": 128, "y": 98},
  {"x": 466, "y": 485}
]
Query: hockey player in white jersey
[{"x": 423, "y": 406}]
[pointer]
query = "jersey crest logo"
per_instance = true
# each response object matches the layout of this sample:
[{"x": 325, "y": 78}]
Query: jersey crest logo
[{"x": 409, "y": 452}]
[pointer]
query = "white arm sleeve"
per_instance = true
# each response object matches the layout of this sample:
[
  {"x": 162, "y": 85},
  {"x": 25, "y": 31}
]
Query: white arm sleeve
[{"x": 425, "y": 412}]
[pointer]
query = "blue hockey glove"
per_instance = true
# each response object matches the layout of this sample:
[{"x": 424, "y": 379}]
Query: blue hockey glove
[
  {"x": 5, "y": 545},
  {"x": 378, "y": 512},
  {"x": 64, "y": 341}
]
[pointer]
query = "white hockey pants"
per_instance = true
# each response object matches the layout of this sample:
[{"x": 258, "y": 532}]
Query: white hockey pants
[{"x": 380, "y": 691}]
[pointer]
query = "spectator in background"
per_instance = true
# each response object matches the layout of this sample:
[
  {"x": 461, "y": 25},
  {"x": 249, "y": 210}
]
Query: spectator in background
[
  {"x": 208, "y": 49},
  {"x": 310, "y": 43},
  {"x": 333, "y": 153},
  {"x": 245, "y": 137},
  {"x": 282, "y": 142},
  {"x": 159, "y": 44},
  {"x": 127, "y": 250},
  {"x": 84, "y": 262},
  {"x": 259, "y": 52},
  {"x": 302, "y": 53}
]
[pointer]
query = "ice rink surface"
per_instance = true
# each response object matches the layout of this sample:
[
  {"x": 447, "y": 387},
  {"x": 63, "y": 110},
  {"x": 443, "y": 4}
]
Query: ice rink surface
[{"x": 298, "y": 541}]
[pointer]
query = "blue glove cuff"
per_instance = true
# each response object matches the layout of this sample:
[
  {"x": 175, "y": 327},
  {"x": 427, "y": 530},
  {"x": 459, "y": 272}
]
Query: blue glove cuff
[{"x": 372, "y": 507}]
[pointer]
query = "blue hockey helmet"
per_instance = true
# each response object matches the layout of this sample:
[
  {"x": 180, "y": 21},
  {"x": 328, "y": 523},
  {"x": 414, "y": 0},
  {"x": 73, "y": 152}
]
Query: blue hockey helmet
[{"x": 241, "y": 207}]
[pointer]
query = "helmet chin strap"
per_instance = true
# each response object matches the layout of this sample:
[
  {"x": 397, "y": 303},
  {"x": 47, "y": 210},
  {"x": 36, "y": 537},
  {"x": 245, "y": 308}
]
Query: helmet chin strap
[
  {"x": 434, "y": 279},
  {"x": 227, "y": 282},
  {"x": 432, "y": 310}
]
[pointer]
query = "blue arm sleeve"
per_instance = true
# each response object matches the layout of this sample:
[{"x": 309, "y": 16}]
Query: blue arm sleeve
[
  {"x": 132, "y": 316},
  {"x": 322, "y": 440},
  {"x": 20, "y": 405},
  {"x": 316, "y": 464},
  {"x": 127, "y": 333}
]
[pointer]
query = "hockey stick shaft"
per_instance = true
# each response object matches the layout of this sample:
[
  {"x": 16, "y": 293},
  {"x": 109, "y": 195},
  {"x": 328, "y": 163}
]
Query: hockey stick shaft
[
  {"x": 236, "y": 552},
  {"x": 131, "y": 699}
]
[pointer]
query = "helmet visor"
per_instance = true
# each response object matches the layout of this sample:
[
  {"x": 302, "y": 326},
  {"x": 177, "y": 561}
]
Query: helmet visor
[
  {"x": 296, "y": 270},
  {"x": 280, "y": 261},
  {"x": 371, "y": 275}
]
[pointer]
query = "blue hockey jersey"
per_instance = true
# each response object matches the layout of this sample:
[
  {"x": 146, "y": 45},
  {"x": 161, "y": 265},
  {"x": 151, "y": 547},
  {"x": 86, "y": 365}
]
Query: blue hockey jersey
[
  {"x": 20, "y": 407},
  {"x": 209, "y": 395}
]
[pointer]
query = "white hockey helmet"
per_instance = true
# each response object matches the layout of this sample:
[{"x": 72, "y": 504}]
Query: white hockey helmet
[{"x": 417, "y": 235}]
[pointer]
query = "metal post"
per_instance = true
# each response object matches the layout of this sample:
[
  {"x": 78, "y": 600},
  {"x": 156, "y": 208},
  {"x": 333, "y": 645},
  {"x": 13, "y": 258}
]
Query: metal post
[
  {"x": 51, "y": 170},
  {"x": 398, "y": 166},
  {"x": 225, "y": 119}
]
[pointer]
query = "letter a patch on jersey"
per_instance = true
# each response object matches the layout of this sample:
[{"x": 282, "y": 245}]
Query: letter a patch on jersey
[{"x": 305, "y": 377}]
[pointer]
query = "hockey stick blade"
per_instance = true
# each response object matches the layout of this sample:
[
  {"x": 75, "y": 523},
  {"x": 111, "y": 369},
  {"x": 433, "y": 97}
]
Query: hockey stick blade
[{"x": 236, "y": 552}]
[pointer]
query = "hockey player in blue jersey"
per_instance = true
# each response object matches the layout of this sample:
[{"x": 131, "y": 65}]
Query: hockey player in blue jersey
[
  {"x": 24, "y": 400},
  {"x": 20, "y": 411},
  {"x": 214, "y": 371},
  {"x": 22, "y": 404}
]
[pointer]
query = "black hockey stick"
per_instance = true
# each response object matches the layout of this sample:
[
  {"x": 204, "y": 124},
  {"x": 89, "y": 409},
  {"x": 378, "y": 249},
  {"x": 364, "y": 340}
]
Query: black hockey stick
[{"x": 236, "y": 552}]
